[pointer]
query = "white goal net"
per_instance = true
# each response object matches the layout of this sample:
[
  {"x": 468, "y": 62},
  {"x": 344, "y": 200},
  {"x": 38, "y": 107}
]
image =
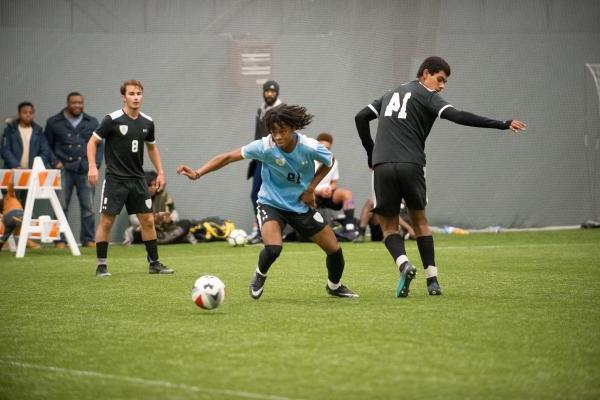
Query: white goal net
[{"x": 592, "y": 138}]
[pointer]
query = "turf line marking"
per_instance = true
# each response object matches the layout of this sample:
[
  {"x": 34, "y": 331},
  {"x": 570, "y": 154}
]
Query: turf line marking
[{"x": 147, "y": 382}]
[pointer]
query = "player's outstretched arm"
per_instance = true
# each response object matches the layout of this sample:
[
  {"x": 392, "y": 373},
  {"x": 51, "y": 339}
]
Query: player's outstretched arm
[
  {"x": 469, "y": 119},
  {"x": 215, "y": 163}
]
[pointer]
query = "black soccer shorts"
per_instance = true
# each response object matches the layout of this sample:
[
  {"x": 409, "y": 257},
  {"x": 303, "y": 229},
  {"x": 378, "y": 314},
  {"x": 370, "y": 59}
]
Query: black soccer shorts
[
  {"x": 131, "y": 193},
  {"x": 308, "y": 224},
  {"x": 396, "y": 181}
]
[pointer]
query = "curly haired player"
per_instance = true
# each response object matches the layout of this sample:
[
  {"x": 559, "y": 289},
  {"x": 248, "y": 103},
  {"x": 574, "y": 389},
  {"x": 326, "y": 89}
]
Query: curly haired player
[{"x": 287, "y": 195}]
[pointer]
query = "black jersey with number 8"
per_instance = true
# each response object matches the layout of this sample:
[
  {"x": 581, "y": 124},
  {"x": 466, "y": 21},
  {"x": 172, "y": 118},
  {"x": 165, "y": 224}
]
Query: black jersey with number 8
[{"x": 125, "y": 138}]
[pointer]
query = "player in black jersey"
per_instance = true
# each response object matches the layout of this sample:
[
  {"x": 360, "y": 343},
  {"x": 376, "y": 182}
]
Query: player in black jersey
[
  {"x": 406, "y": 115},
  {"x": 125, "y": 131}
]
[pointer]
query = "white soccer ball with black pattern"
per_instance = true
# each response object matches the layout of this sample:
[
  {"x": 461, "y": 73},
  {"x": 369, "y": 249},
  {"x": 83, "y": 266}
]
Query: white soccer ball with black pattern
[
  {"x": 237, "y": 237},
  {"x": 208, "y": 292}
]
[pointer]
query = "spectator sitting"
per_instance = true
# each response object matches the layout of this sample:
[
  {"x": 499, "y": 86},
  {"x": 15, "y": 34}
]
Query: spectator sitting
[
  {"x": 328, "y": 195},
  {"x": 12, "y": 217},
  {"x": 368, "y": 218},
  {"x": 166, "y": 219}
]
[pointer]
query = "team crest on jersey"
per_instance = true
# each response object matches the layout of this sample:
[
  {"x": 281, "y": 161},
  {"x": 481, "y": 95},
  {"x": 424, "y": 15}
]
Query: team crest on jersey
[
  {"x": 318, "y": 217},
  {"x": 280, "y": 161},
  {"x": 123, "y": 129},
  {"x": 148, "y": 203}
]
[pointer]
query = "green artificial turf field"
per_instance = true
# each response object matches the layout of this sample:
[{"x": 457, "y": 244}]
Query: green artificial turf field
[{"x": 519, "y": 319}]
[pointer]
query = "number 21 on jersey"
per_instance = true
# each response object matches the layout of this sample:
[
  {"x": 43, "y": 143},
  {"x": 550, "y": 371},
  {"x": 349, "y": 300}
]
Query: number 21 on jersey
[{"x": 395, "y": 104}]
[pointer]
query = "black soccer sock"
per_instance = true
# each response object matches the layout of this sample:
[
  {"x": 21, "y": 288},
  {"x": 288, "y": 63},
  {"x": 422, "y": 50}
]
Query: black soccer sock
[
  {"x": 349, "y": 217},
  {"x": 102, "y": 252},
  {"x": 151, "y": 250},
  {"x": 362, "y": 230},
  {"x": 267, "y": 257},
  {"x": 395, "y": 245},
  {"x": 427, "y": 252},
  {"x": 335, "y": 266}
]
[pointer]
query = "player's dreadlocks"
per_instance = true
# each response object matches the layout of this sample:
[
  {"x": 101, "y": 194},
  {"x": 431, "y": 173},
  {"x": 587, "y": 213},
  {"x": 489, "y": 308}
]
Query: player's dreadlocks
[{"x": 295, "y": 117}]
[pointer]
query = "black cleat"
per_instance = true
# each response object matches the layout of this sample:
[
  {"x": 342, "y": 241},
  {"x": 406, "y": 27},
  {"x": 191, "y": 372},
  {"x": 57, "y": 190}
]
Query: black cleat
[
  {"x": 407, "y": 274},
  {"x": 158, "y": 268},
  {"x": 257, "y": 285},
  {"x": 342, "y": 291},
  {"x": 102, "y": 271},
  {"x": 434, "y": 289}
]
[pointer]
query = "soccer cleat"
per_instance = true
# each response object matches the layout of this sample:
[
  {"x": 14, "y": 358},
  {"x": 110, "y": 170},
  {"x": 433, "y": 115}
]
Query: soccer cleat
[
  {"x": 341, "y": 291},
  {"x": 434, "y": 289},
  {"x": 102, "y": 271},
  {"x": 407, "y": 274},
  {"x": 257, "y": 285},
  {"x": 158, "y": 268}
]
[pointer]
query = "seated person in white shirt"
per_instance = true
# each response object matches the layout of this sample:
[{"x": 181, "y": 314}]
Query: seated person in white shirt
[{"x": 328, "y": 195}]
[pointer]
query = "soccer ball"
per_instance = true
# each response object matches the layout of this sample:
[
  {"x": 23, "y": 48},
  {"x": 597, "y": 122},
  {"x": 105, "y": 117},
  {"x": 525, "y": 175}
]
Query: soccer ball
[
  {"x": 208, "y": 292},
  {"x": 237, "y": 237}
]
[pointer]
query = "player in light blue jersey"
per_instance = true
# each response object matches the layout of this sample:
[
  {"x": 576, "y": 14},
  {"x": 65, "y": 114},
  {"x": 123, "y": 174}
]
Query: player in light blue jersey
[{"x": 287, "y": 194}]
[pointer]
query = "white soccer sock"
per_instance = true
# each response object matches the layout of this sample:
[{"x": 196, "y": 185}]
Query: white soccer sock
[
  {"x": 401, "y": 260},
  {"x": 333, "y": 286},
  {"x": 431, "y": 271}
]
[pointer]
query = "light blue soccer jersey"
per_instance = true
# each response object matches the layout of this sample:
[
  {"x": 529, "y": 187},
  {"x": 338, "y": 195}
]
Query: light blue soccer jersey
[{"x": 286, "y": 176}]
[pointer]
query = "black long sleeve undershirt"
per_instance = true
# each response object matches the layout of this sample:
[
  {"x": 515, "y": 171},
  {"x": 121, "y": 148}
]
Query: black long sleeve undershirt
[
  {"x": 468, "y": 119},
  {"x": 362, "y": 120}
]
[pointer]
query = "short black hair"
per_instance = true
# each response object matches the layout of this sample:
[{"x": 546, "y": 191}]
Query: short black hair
[
  {"x": 25, "y": 104},
  {"x": 150, "y": 176},
  {"x": 295, "y": 117},
  {"x": 72, "y": 94},
  {"x": 434, "y": 64}
]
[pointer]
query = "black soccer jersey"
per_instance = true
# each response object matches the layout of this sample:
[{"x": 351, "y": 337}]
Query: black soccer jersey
[
  {"x": 124, "y": 149},
  {"x": 406, "y": 115}
]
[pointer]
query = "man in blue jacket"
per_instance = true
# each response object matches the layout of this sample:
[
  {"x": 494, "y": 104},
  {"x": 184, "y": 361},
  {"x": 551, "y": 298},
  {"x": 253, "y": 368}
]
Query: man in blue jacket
[
  {"x": 68, "y": 133},
  {"x": 23, "y": 140}
]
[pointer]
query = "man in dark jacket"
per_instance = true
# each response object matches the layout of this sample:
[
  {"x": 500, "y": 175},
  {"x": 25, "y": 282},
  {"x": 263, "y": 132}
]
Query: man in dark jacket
[
  {"x": 271, "y": 99},
  {"x": 68, "y": 133},
  {"x": 23, "y": 140}
]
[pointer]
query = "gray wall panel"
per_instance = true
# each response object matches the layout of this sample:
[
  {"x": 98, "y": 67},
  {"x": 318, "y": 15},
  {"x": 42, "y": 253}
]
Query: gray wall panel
[{"x": 509, "y": 59}]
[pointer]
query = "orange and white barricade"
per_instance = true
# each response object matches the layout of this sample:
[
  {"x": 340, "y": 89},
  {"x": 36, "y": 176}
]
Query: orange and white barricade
[{"x": 40, "y": 184}]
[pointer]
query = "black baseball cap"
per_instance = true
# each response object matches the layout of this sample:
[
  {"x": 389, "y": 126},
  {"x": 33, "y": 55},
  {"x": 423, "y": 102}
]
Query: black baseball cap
[{"x": 271, "y": 85}]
